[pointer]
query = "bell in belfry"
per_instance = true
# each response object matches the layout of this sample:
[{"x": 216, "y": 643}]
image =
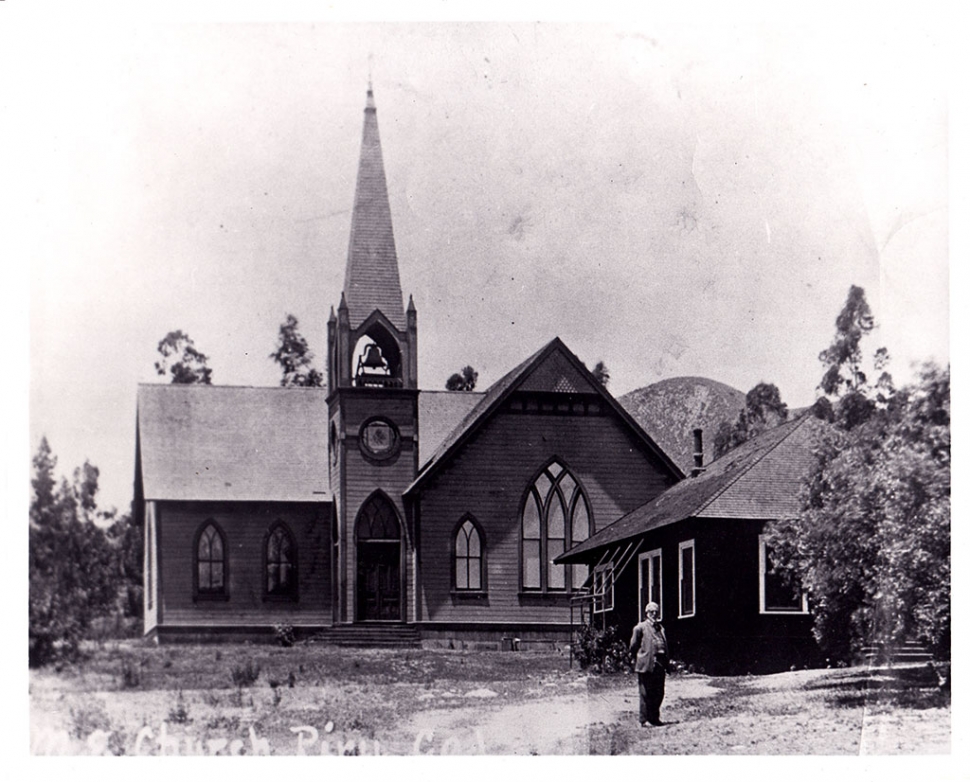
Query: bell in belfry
[{"x": 373, "y": 358}]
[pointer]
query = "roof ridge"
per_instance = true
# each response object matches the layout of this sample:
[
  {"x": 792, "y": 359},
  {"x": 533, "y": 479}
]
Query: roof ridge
[
  {"x": 741, "y": 473},
  {"x": 226, "y": 386}
]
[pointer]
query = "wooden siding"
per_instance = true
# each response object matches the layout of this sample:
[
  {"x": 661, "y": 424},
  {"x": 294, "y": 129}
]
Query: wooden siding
[
  {"x": 727, "y": 633},
  {"x": 245, "y": 526},
  {"x": 356, "y": 477},
  {"x": 150, "y": 571},
  {"x": 488, "y": 479}
]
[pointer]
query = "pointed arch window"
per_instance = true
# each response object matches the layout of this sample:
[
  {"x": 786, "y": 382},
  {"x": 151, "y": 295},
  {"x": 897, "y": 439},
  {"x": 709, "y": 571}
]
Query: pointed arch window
[
  {"x": 469, "y": 557},
  {"x": 281, "y": 563},
  {"x": 211, "y": 567},
  {"x": 555, "y": 517},
  {"x": 378, "y": 520}
]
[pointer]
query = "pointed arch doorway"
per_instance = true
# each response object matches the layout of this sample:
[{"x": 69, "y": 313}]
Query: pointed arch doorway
[{"x": 378, "y": 561}]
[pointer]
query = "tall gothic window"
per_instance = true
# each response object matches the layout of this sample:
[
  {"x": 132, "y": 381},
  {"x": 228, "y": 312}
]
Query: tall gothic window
[
  {"x": 555, "y": 517},
  {"x": 469, "y": 558},
  {"x": 280, "y": 563},
  {"x": 210, "y": 562}
]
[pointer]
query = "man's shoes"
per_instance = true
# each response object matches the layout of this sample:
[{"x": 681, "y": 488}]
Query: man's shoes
[{"x": 655, "y": 723}]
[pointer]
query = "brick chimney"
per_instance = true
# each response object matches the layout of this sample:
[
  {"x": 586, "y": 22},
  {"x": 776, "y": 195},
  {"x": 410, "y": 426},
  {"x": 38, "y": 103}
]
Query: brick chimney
[{"x": 698, "y": 453}]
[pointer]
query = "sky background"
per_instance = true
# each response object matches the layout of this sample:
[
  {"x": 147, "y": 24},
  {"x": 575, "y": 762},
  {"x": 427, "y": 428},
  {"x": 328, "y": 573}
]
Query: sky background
[{"x": 668, "y": 196}]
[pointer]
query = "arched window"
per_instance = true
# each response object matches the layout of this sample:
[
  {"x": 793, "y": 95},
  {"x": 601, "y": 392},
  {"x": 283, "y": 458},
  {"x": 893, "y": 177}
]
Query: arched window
[
  {"x": 377, "y": 520},
  {"x": 280, "y": 563},
  {"x": 469, "y": 557},
  {"x": 210, "y": 562},
  {"x": 555, "y": 517}
]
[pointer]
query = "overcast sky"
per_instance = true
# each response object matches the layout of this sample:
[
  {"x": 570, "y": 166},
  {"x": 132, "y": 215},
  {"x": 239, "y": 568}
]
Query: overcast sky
[{"x": 671, "y": 198}]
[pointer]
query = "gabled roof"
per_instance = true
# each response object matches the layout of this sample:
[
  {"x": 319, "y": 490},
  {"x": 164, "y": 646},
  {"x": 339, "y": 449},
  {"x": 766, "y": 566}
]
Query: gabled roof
[
  {"x": 759, "y": 479},
  {"x": 544, "y": 367},
  {"x": 372, "y": 281},
  {"x": 199, "y": 442}
]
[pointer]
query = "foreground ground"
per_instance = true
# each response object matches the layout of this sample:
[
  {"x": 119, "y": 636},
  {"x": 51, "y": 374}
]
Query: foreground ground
[{"x": 132, "y": 699}]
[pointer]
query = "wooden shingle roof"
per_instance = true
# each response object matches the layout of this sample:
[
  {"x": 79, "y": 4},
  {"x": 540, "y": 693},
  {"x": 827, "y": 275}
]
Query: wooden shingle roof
[
  {"x": 372, "y": 281},
  {"x": 439, "y": 412},
  {"x": 759, "y": 479},
  {"x": 200, "y": 442}
]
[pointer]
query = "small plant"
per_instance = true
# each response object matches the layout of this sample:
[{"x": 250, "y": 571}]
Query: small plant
[
  {"x": 602, "y": 651},
  {"x": 179, "y": 714},
  {"x": 285, "y": 634},
  {"x": 277, "y": 697},
  {"x": 245, "y": 675},
  {"x": 85, "y": 720},
  {"x": 130, "y": 675}
]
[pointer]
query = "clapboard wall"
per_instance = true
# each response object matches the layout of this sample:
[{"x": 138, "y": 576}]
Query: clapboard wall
[
  {"x": 245, "y": 527},
  {"x": 488, "y": 478}
]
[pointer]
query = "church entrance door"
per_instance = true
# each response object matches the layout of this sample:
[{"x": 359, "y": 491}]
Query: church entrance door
[
  {"x": 378, "y": 561},
  {"x": 379, "y": 581}
]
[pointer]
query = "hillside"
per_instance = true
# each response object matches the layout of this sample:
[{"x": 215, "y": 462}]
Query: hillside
[{"x": 671, "y": 409}]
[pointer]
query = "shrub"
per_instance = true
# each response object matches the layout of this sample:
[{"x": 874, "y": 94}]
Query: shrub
[
  {"x": 285, "y": 634},
  {"x": 602, "y": 651}
]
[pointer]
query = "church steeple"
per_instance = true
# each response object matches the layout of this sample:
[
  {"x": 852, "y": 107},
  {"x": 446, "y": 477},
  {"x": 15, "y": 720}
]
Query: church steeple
[{"x": 372, "y": 281}]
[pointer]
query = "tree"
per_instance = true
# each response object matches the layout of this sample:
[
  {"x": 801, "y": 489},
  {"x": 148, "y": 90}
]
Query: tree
[
  {"x": 872, "y": 545},
  {"x": 294, "y": 357},
  {"x": 462, "y": 381},
  {"x": 602, "y": 374},
  {"x": 845, "y": 382},
  {"x": 180, "y": 357},
  {"x": 763, "y": 409},
  {"x": 72, "y": 564}
]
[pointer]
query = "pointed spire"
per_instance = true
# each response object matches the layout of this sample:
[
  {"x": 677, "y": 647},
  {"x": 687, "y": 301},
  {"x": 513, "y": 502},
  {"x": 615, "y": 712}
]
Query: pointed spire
[{"x": 372, "y": 280}]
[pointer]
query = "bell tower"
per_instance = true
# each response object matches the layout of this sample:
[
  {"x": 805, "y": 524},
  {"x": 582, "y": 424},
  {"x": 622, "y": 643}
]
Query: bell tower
[{"x": 372, "y": 346}]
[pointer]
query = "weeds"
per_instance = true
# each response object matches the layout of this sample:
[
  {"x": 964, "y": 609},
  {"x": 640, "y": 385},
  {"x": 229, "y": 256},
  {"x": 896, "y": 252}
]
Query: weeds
[
  {"x": 130, "y": 675},
  {"x": 245, "y": 675},
  {"x": 85, "y": 720},
  {"x": 179, "y": 713}
]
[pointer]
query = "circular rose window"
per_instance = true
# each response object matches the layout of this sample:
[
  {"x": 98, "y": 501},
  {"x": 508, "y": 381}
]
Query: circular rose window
[{"x": 379, "y": 438}]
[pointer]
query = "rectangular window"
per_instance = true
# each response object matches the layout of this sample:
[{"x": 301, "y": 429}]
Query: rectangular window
[
  {"x": 651, "y": 568},
  {"x": 687, "y": 578},
  {"x": 779, "y": 591},
  {"x": 603, "y": 588}
]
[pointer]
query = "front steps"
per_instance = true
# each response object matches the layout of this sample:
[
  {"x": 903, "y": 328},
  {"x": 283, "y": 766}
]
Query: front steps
[
  {"x": 906, "y": 652},
  {"x": 375, "y": 636}
]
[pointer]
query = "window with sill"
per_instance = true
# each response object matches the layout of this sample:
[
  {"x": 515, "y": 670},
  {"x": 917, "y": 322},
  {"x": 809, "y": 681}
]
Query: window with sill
[
  {"x": 210, "y": 562},
  {"x": 469, "y": 557},
  {"x": 281, "y": 563},
  {"x": 555, "y": 517},
  {"x": 779, "y": 590},
  {"x": 687, "y": 579}
]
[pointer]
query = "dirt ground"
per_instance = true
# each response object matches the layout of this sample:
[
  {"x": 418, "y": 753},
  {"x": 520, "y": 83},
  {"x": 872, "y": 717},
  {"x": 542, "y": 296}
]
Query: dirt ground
[{"x": 318, "y": 700}]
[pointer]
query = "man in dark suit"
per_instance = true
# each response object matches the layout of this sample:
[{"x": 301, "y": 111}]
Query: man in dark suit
[{"x": 649, "y": 644}]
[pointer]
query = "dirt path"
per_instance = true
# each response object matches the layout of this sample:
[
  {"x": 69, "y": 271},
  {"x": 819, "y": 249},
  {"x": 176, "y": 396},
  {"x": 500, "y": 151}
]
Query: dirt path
[{"x": 545, "y": 725}]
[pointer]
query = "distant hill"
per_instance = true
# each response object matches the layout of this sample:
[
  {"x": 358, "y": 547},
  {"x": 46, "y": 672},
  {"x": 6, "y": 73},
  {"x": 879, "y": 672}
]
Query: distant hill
[{"x": 671, "y": 409}]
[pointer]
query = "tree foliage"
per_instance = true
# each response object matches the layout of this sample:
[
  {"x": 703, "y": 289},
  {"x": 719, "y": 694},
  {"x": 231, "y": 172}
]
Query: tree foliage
[
  {"x": 602, "y": 374},
  {"x": 182, "y": 360},
  {"x": 462, "y": 381},
  {"x": 77, "y": 571},
  {"x": 294, "y": 356},
  {"x": 873, "y": 543},
  {"x": 845, "y": 383},
  {"x": 763, "y": 409}
]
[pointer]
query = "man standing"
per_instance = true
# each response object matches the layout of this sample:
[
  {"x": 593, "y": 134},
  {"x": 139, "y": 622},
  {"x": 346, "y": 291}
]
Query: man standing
[{"x": 649, "y": 643}]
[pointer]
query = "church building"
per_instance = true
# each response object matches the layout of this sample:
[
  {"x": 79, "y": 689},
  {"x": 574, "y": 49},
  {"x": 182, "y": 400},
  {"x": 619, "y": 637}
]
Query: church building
[{"x": 373, "y": 510}]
